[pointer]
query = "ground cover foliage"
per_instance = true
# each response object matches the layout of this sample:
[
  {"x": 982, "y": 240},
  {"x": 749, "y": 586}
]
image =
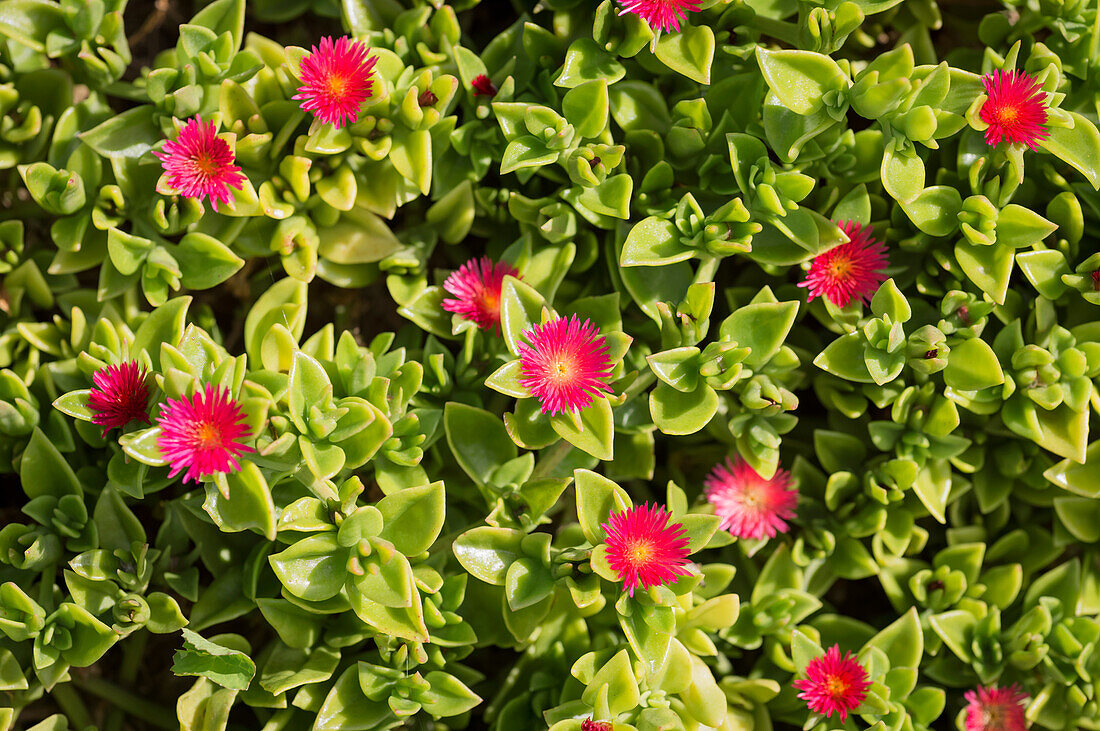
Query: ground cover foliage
[{"x": 591, "y": 366}]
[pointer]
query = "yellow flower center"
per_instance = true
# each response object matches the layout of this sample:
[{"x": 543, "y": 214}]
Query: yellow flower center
[
  {"x": 837, "y": 687},
  {"x": 562, "y": 370},
  {"x": 205, "y": 164},
  {"x": 1008, "y": 114},
  {"x": 840, "y": 267},
  {"x": 639, "y": 553},
  {"x": 337, "y": 85},
  {"x": 208, "y": 436}
]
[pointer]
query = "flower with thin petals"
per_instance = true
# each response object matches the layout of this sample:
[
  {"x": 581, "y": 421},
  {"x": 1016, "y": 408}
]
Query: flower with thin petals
[
  {"x": 476, "y": 289},
  {"x": 202, "y": 435},
  {"x": 589, "y": 725},
  {"x": 834, "y": 684},
  {"x": 566, "y": 365},
  {"x": 644, "y": 549},
  {"x": 1015, "y": 109},
  {"x": 852, "y": 270},
  {"x": 749, "y": 505},
  {"x": 119, "y": 395},
  {"x": 996, "y": 709},
  {"x": 484, "y": 86},
  {"x": 336, "y": 80},
  {"x": 198, "y": 164},
  {"x": 663, "y": 15}
]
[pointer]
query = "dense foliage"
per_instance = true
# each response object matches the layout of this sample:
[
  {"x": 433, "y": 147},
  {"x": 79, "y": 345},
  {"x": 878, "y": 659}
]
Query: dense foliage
[{"x": 707, "y": 364}]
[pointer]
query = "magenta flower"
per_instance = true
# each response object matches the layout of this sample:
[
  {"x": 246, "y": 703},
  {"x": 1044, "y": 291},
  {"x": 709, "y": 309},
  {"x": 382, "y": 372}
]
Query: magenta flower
[
  {"x": 663, "y": 15},
  {"x": 749, "y": 505},
  {"x": 202, "y": 435},
  {"x": 1014, "y": 111},
  {"x": 996, "y": 709},
  {"x": 850, "y": 270},
  {"x": 198, "y": 164},
  {"x": 566, "y": 365},
  {"x": 589, "y": 725},
  {"x": 483, "y": 86},
  {"x": 476, "y": 287},
  {"x": 644, "y": 549},
  {"x": 119, "y": 395},
  {"x": 336, "y": 80},
  {"x": 834, "y": 684}
]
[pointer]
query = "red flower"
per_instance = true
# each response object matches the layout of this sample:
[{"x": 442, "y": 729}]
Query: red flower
[
  {"x": 198, "y": 164},
  {"x": 202, "y": 435},
  {"x": 483, "y": 86},
  {"x": 119, "y": 395},
  {"x": 476, "y": 287},
  {"x": 1095, "y": 280},
  {"x": 661, "y": 14},
  {"x": 834, "y": 684},
  {"x": 749, "y": 505},
  {"x": 644, "y": 549},
  {"x": 589, "y": 725},
  {"x": 1014, "y": 111},
  {"x": 336, "y": 80},
  {"x": 566, "y": 365},
  {"x": 851, "y": 270},
  {"x": 996, "y": 709}
]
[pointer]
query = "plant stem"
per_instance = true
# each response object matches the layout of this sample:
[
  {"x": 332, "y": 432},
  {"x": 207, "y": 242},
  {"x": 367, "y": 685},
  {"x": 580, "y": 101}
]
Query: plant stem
[
  {"x": 71, "y": 705},
  {"x": 778, "y": 29},
  {"x": 133, "y": 652},
  {"x": 153, "y": 714}
]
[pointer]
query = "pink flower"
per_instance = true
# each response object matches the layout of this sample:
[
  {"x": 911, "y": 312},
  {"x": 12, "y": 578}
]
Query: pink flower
[
  {"x": 643, "y": 549},
  {"x": 1014, "y": 111},
  {"x": 996, "y": 709},
  {"x": 476, "y": 287},
  {"x": 589, "y": 725},
  {"x": 834, "y": 684},
  {"x": 119, "y": 395},
  {"x": 1095, "y": 280},
  {"x": 749, "y": 505},
  {"x": 661, "y": 14},
  {"x": 851, "y": 270},
  {"x": 483, "y": 86},
  {"x": 566, "y": 365},
  {"x": 336, "y": 80},
  {"x": 203, "y": 435},
  {"x": 198, "y": 164}
]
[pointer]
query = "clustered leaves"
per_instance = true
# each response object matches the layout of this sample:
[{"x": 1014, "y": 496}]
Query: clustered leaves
[{"x": 593, "y": 366}]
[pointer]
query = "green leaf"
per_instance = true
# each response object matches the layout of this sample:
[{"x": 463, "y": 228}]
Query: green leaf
[
  {"x": 902, "y": 641},
  {"x": 678, "y": 413},
  {"x": 654, "y": 242},
  {"x": 223, "y": 16},
  {"x": 128, "y": 135},
  {"x": 800, "y": 78},
  {"x": 586, "y": 107},
  {"x": 762, "y": 327},
  {"x": 163, "y": 325},
  {"x": 478, "y": 440},
  {"x": 448, "y": 695},
  {"x": 487, "y": 552},
  {"x": 313, "y": 569},
  {"x": 689, "y": 52},
  {"x": 972, "y": 365},
  {"x": 413, "y": 517},
  {"x": 596, "y": 434},
  {"x": 201, "y": 657},
  {"x": 597, "y": 498},
  {"x": 586, "y": 61},
  {"x": 844, "y": 358},
  {"x": 204, "y": 261},
  {"x": 241, "y": 500},
  {"x": 526, "y": 583},
  {"x": 1078, "y": 146},
  {"x": 43, "y": 471}
]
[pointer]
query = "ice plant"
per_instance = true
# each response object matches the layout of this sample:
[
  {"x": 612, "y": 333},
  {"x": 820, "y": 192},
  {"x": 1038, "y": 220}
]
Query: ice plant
[
  {"x": 202, "y": 435},
  {"x": 119, "y": 395},
  {"x": 834, "y": 684},
  {"x": 483, "y": 86},
  {"x": 336, "y": 80},
  {"x": 198, "y": 164},
  {"x": 749, "y": 505},
  {"x": 1095, "y": 280},
  {"x": 852, "y": 270},
  {"x": 476, "y": 289},
  {"x": 566, "y": 365},
  {"x": 644, "y": 549},
  {"x": 589, "y": 725},
  {"x": 1015, "y": 110},
  {"x": 663, "y": 15},
  {"x": 995, "y": 709}
]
